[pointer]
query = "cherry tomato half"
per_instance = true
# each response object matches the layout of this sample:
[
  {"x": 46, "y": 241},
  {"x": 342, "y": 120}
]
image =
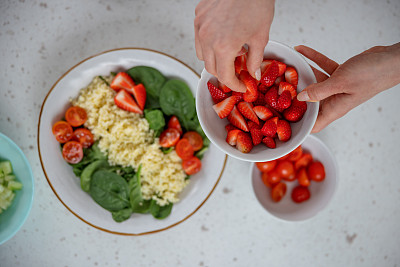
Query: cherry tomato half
[
  {"x": 295, "y": 154},
  {"x": 300, "y": 193},
  {"x": 62, "y": 130},
  {"x": 192, "y": 165},
  {"x": 84, "y": 136},
  {"x": 174, "y": 123},
  {"x": 303, "y": 161},
  {"x": 302, "y": 177},
  {"x": 169, "y": 137},
  {"x": 266, "y": 166},
  {"x": 195, "y": 139},
  {"x": 72, "y": 152},
  {"x": 278, "y": 191},
  {"x": 316, "y": 171},
  {"x": 184, "y": 149},
  {"x": 76, "y": 116},
  {"x": 286, "y": 170}
]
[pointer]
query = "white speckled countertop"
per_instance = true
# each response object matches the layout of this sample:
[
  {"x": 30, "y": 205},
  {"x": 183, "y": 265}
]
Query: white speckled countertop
[{"x": 40, "y": 40}]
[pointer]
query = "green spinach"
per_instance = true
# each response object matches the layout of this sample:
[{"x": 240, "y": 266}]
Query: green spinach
[
  {"x": 160, "y": 212},
  {"x": 121, "y": 215},
  {"x": 156, "y": 120},
  {"x": 138, "y": 204},
  {"x": 86, "y": 175}
]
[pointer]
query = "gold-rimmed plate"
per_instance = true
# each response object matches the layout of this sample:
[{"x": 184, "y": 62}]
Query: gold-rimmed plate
[{"x": 59, "y": 174}]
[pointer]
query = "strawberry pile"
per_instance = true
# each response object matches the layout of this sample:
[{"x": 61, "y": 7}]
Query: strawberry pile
[{"x": 264, "y": 112}]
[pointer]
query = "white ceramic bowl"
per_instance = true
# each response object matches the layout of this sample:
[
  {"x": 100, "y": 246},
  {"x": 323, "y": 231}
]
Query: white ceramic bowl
[
  {"x": 321, "y": 192},
  {"x": 66, "y": 185},
  {"x": 214, "y": 127}
]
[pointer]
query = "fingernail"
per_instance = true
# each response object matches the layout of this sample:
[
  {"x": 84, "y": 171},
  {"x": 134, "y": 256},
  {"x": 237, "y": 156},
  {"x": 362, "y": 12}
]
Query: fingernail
[
  {"x": 303, "y": 96},
  {"x": 258, "y": 74}
]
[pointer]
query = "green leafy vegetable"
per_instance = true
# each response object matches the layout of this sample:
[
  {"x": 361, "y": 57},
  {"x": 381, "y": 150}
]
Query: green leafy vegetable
[
  {"x": 200, "y": 154},
  {"x": 138, "y": 204},
  {"x": 160, "y": 212},
  {"x": 89, "y": 155},
  {"x": 121, "y": 215},
  {"x": 167, "y": 150},
  {"x": 87, "y": 173},
  {"x": 156, "y": 120}
]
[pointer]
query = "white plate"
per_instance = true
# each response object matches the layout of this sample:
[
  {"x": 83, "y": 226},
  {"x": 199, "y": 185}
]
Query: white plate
[{"x": 59, "y": 174}]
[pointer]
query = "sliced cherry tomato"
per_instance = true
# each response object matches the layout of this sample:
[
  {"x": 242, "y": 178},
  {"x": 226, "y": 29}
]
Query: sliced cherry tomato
[
  {"x": 303, "y": 161},
  {"x": 264, "y": 177},
  {"x": 84, "y": 136},
  {"x": 192, "y": 165},
  {"x": 72, "y": 152},
  {"x": 295, "y": 154},
  {"x": 62, "y": 130},
  {"x": 285, "y": 170},
  {"x": 272, "y": 177},
  {"x": 302, "y": 177},
  {"x": 195, "y": 139},
  {"x": 184, "y": 149},
  {"x": 278, "y": 191},
  {"x": 174, "y": 123},
  {"x": 316, "y": 171},
  {"x": 266, "y": 166},
  {"x": 169, "y": 137},
  {"x": 76, "y": 116},
  {"x": 300, "y": 193}
]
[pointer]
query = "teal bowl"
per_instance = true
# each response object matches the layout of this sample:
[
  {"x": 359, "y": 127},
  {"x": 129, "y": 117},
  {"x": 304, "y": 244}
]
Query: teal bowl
[{"x": 15, "y": 215}]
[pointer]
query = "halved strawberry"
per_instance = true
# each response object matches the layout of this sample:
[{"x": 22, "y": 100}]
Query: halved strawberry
[
  {"x": 279, "y": 80},
  {"x": 237, "y": 119},
  {"x": 262, "y": 88},
  {"x": 296, "y": 111},
  {"x": 126, "y": 102},
  {"x": 239, "y": 94},
  {"x": 223, "y": 87},
  {"x": 230, "y": 127},
  {"x": 224, "y": 108},
  {"x": 240, "y": 63},
  {"x": 271, "y": 97},
  {"x": 291, "y": 76},
  {"x": 216, "y": 94},
  {"x": 244, "y": 143},
  {"x": 270, "y": 127},
  {"x": 263, "y": 112},
  {"x": 285, "y": 86},
  {"x": 249, "y": 98},
  {"x": 269, "y": 142},
  {"x": 251, "y": 84},
  {"x": 247, "y": 110},
  {"x": 122, "y": 81},
  {"x": 284, "y": 100},
  {"x": 266, "y": 62},
  {"x": 260, "y": 101},
  {"x": 139, "y": 92},
  {"x": 270, "y": 74},
  {"x": 231, "y": 137},
  {"x": 283, "y": 130},
  {"x": 255, "y": 132}
]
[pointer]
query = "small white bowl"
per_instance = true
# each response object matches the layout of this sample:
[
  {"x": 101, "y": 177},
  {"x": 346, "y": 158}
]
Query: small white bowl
[
  {"x": 321, "y": 192},
  {"x": 214, "y": 127}
]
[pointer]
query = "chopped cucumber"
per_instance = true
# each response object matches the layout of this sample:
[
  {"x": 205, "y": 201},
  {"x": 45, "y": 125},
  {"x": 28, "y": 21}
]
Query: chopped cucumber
[
  {"x": 8, "y": 185},
  {"x": 6, "y": 167}
]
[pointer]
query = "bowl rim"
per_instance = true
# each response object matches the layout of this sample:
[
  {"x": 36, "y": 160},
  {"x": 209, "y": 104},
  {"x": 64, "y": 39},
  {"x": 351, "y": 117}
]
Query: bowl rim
[
  {"x": 49, "y": 182},
  {"x": 243, "y": 156},
  {"x": 325, "y": 206},
  {"x": 26, "y": 162}
]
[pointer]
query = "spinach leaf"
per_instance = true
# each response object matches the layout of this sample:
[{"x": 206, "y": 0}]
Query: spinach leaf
[
  {"x": 121, "y": 215},
  {"x": 109, "y": 190},
  {"x": 167, "y": 150},
  {"x": 156, "y": 120},
  {"x": 138, "y": 204},
  {"x": 151, "y": 78},
  {"x": 152, "y": 102},
  {"x": 200, "y": 154},
  {"x": 160, "y": 212},
  {"x": 87, "y": 173},
  {"x": 177, "y": 99},
  {"x": 90, "y": 154}
]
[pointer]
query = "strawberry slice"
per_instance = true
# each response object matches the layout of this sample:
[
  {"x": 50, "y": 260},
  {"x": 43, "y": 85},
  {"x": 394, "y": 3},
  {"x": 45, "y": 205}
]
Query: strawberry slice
[
  {"x": 216, "y": 94},
  {"x": 224, "y": 108},
  {"x": 270, "y": 127},
  {"x": 240, "y": 63},
  {"x": 263, "y": 112},
  {"x": 260, "y": 101},
  {"x": 239, "y": 94},
  {"x": 285, "y": 86},
  {"x": 224, "y": 88},
  {"x": 244, "y": 143},
  {"x": 284, "y": 101},
  {"x": 270, "y": 74},
  {"x": 231, "y": 137},
  {"x": 283, "y": 130},
  {"x": 271, "y": 97},
  {"x": 125, "y": 101},
  {"x": 247, "y": 111},
  {"x": 122, "y": 81},
  {"x": 296, "y": 111},
  {"x": 262, "y": 88},
  {"x": 291, "y": 76},
  {"x": 230, "y": 127},
  {"x": 269, "y": 142},
  {"x": 255, "y": 132},
  {"x": 266, "y": 62},
  {"x": 251, "y": 84},
  {"x": 237, "y": 119},
  {"x": 279, "y": 80},
  {"x": 139, "y": 92}
]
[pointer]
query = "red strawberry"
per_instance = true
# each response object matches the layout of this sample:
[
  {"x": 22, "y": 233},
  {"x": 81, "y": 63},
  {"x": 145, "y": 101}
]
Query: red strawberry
[
  {"x": 296, "y": 111},
  {"x": 255, "y": 131},
  {"x": 126, "y": 102},
  {"x": 223, "y": 87},
  {"x": 271, "y": 97},
  {"x": 244, "y": 143},
  {"x": 284, "y": 100},
  {"x": 285, "y": 86},
  {"x": 270, "y": 127},
  {"x": 230, "y": 127},
  {"x": 279, "y": 80},
  {"x": 139, "y": 92},
  {"x": 283, "y": 130},
  {"x": 266, "y": 62},
  {"x": 282, "y": 68},
  {"x": 262, "y": 112},
  {"x": 269, "y": 142},
  {"x": 291, "y": 76},
  {"x": 239, "y": 94},
  {"x": 237, "y": 119},
  {"x": 240, "y": 63},
  {"x": 231, "y": 137},
  {"x": 224, "y": 108},
  {"x": 216, "y": 94},
  {"x": 122, "y": 81},
  {"x": 270, "y": 74},
  {"x": 251, "y": 84},
  {"x": 248, "y": 97},
  {"x": 247, "y": 110},
  {"x": 260, "y": 101},
  {"x": 262, "y": 88}
]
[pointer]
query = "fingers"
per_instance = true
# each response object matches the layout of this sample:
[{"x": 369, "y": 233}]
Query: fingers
[
  {"x": 321, "y": 60},
  {"x": 254, "y": 59},
  {"x": 197, "y": 43},
  {"x": 319, "y": 75},
  {"x": 226, "y": 72},
  {"x": 319, "y": 91}
]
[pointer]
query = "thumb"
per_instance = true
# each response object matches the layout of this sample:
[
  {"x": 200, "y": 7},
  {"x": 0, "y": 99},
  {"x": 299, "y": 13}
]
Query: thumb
[
  {"x": 254, "y": 58},
  {"x": 318, "y": 91}
]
